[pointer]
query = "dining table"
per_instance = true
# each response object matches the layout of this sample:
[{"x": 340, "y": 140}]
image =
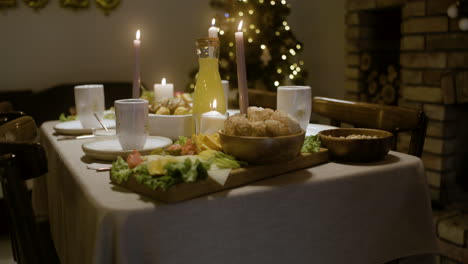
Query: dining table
[{"x": 335, "y": 212}]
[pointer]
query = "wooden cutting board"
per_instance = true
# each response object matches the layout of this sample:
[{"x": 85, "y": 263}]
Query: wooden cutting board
[{"x": 238, "y": 177}]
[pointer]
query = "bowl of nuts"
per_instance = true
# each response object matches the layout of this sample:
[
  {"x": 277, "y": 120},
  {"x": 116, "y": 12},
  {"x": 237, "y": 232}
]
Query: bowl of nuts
[{"x": 357, "y": 144}]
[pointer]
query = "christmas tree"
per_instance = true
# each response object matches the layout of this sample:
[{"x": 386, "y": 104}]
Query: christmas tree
[{"x": 271, "y": 49}]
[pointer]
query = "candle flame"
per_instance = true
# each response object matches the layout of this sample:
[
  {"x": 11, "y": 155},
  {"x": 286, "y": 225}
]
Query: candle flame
[
  {"x": 214, "y": 104},
  {"x": 138, "y": 35},
  {"x": 213, "y": 21},
  {"x": 163, "y": 81},
  {"x": 239, "y": 28}
]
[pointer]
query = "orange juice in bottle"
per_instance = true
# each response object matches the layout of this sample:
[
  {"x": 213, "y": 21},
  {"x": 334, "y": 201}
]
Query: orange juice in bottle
[{"x": 209, "y": 93}]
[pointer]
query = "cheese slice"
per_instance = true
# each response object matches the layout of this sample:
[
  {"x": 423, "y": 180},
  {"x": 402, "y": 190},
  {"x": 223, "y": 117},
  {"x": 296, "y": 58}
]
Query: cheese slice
[{"x": 219, "y": 175}]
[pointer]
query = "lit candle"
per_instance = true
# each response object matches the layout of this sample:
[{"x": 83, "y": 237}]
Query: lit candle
[
  {"x": 211, "y": 122},
  {"x": 241, "y": 74},
  {"x": 136, "y": 74},
  {"x": 213, "y": 31},
  {"x": 163, "y": 90}
]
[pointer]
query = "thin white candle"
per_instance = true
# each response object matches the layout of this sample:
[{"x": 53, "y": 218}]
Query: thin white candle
[
  {"x": 136, "y": 74},
  {"x": 163, "y": 90},
  {"x": 241, "y": 73},
  {"x": 213, "y": 31}
]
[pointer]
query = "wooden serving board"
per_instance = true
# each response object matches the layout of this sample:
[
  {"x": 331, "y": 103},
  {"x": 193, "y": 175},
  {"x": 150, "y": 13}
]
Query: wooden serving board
[{"x": 238, "y": 177}]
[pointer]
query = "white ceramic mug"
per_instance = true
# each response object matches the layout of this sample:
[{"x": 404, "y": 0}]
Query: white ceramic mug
[
  {"x": 297, "y": 102},
  {"x": 131, "y": 123},
  {"x": 89, "y": 99}
]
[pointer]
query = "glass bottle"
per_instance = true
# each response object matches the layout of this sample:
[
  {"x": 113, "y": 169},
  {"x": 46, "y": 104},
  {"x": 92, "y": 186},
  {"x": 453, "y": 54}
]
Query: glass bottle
[{"x": 209, "y": 92}]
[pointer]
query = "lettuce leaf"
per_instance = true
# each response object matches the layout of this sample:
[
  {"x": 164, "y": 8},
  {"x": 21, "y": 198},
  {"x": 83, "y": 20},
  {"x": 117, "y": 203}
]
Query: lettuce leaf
[
  {"x": 221, "y": 159},
  {"x": 120, "y": 170},
  {"x": 64, "y": 118},
  {"x": 311, "y": 144}
]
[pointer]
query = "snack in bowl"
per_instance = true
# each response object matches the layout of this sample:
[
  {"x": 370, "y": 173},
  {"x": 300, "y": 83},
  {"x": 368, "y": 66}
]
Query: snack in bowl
[
  {"x": 171, "y": 117},
  {"x": 264, "y": 136},
  {"x": 357, "y": 144}
]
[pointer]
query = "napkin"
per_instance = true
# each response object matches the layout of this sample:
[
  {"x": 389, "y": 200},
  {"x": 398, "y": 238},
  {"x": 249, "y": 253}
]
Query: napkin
[{"x": 96, "y": 166}]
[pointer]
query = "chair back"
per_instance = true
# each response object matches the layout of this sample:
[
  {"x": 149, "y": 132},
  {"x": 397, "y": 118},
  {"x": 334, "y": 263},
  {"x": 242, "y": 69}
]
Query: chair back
[
  {"x": 19, "y": 129},
  {"x": 21, "y": 159},
  {"x": 389, "y": 118}
]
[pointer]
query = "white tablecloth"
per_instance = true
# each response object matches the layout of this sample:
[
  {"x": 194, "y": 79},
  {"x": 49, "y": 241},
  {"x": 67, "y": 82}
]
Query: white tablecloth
[{"x": 331, "y": 213}]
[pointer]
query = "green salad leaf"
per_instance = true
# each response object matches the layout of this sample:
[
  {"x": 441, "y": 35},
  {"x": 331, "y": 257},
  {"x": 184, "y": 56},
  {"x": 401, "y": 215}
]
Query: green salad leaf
[
  {"x": 176, "y": 172},
  {"x": 65, "y": 118},
  {"x": 221, "y": 159},
  {"x": 120, "y": 170},
  {"x": 311, "y": 144}
]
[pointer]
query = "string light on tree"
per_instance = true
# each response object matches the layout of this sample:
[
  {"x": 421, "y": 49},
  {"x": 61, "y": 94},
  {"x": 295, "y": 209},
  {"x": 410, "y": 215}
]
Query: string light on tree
[{"x": 271, "y": 46}]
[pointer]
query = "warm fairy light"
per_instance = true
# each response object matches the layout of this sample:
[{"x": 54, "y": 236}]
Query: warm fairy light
[
  {"x": 221, "y": 32},
  {"x": 241, "y": 13},
  {"x": 301, "y": 62},
  {"x": 262, "y": 46},
  {"x": 231, "y": 54},
  {"x": 283, "y": 2},
  {"x": 291, "y": 76},
  {"x": 283, "y": 57},
  {"x": 163, "y": 81},
  {"x": 293, "y": 52},
  {"x": 231, "y": 44},
  {"x": 213, "y": 21},
  {"x": 272, "y": 2},
  {"x": 260, "y": 1},
  {"x": 276, "y": 83},
  {"x": 287, "y": 27},
  {"x": 137, "y": 35},
  {"x": 295, "y": 72},
  {"x": 298, "y": 46},
  {"x": 285, "y": 23},
  {"x": 279, "y": 70},
  {"x": 251, "y": 12},
  {"x": 277, "y": 33},
  {"x": 291, "y": 67},
  {"x": 257, "y": 31},
  {"x": 250, "y": 40},
  {"x": 252, "y": 26},
  {"x": 240, "y": 26},
  {"x": 298, "y": 69}
]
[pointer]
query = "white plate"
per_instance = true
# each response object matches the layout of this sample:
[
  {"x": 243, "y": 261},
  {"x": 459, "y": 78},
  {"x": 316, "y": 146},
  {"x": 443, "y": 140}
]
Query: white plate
[
  {"x": 75, "y": 128},
  {"x": 314, "y": 129},
  {"x": 108, "y": 148}
]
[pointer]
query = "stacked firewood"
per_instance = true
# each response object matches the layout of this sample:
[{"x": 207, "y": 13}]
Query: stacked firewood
[{"x": 381, "y": 81}]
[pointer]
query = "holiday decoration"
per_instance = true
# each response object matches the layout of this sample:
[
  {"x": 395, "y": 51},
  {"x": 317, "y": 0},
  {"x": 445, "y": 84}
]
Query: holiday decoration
[
  {"x": 271, "y": 49},
  {"x": 459, "y": 9}
]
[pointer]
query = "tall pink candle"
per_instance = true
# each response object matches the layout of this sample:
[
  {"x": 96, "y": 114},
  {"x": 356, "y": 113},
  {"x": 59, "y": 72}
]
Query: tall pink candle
[
  {"x": 136, "y": 74},
  {"x": 241, "y": 73}
]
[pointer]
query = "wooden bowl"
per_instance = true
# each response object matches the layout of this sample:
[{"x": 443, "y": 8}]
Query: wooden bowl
[
  {"x": 262, "y": 150},
  {"x": 356, "y": 150}
]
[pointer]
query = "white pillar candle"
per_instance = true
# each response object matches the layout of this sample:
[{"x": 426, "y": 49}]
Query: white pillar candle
[
  {"x": 136, "y": 73},
  {"x": 163, "y": 90},
  {"x": 241, "y": 73},
  {"x": 212, "y": 122},
  {"x": 213, "y": 31}
]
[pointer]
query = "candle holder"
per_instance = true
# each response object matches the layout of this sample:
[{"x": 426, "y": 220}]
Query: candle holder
[{"x": 209, "y": 92}]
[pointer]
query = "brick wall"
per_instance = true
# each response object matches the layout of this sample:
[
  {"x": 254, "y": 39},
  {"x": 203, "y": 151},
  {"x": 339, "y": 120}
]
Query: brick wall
[{"x": 433, "y": 74}]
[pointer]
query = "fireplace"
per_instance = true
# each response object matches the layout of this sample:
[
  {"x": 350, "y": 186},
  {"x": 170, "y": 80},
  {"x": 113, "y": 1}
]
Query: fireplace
[{"x": 409, "y": 53}]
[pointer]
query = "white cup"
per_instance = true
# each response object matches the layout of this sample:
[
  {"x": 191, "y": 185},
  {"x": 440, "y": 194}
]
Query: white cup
[
  {"x": 225, "y": 85},
  {"x": 89, "y": 99},
  {"x": 297, "y": 102},
  {"x": 131, "y": 123}
]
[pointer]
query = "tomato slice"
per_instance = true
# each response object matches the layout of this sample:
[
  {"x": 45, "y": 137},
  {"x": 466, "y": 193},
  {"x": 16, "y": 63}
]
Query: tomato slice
[{"x": 134, "y": 159}]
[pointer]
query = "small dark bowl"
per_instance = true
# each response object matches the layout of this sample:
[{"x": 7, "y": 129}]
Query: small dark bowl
[
  {"x": 356, "y": 150},
  {"x": 262, "y": 150}
]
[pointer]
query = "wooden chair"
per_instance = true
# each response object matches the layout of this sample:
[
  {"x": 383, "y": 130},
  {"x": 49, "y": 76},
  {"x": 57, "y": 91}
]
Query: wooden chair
[
  {"x": 389, "y": 118},
  {"x": 22, "y": 159}
]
